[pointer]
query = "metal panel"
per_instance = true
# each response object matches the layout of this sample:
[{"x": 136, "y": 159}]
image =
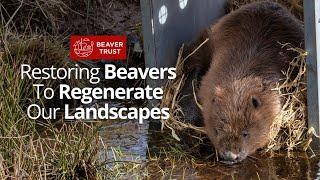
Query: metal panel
[
  {"x": 312, "y": 45},
  {"x": 164, "y": 37},
  {"x": 182, "y": 24},
  {"x": 148, "y": 35}
]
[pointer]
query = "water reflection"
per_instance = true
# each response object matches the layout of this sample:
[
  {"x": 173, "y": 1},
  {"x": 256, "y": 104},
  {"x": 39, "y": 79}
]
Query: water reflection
[
  {"x": 131, "y": 138},
  {"x": 300, "y": 166}
]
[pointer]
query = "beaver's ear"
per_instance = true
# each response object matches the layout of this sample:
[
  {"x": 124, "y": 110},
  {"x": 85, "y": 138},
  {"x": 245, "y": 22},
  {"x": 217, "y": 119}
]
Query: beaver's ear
[{"x": 263, "y": 84}]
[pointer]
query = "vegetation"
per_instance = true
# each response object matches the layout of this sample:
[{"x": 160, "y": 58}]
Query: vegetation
[
  {"x": 74, "y": 150},
  {"x": 41, "y": 149}
]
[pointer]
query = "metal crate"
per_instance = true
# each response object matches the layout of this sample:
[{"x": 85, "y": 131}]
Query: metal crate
[{"x": 167, "y": 24}]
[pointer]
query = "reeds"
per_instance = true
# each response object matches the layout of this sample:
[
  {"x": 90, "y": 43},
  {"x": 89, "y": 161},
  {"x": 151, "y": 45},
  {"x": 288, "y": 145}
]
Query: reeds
[
  {"x": 289, "y": 130},
  {"x": 290, "y": 127},
  {"x": 38, "y": 149}
]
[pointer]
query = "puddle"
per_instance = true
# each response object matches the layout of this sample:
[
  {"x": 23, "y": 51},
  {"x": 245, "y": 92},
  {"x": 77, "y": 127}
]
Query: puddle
[
  {"x": 260, "y": 167},
  {"x": 300, "y": 166},
  {"x": 128, "y": 137},
  {"x": 131, "y": 139}
]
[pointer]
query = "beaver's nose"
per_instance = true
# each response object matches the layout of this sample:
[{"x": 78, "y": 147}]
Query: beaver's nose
[{"x": 230, "y": 156}]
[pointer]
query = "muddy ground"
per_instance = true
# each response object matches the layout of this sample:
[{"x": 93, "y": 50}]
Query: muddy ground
[
  {"x": 73, "y": 17},
  {"x": 103, "y": 17}
]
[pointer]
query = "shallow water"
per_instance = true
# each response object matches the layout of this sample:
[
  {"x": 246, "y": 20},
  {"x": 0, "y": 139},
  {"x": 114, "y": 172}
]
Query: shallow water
[
  {"x": 300, "y": 166},
  {"x": 128, "y": 136},
  {"x": 131, "y": 138}
]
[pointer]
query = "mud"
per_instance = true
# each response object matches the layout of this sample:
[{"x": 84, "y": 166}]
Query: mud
[
  {"x": 159, "y": 156},
  {"x": 127, "y": 136},
  {"x": 102, "y": 17},
  {"x": 299, "y": 166},
  {"x": 131, "y": 139}
]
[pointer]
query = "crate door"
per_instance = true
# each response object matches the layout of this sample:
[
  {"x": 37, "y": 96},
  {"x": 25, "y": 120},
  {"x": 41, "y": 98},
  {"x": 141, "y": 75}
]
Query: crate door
[{"x": 167, "y": 24}]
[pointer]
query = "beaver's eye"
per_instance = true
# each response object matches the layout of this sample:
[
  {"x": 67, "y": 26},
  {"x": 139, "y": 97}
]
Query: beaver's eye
[
  {"x": 224, "y": 120},
  {"x": 255, "y": 102},
  {"x": 245, "y": 134},
  {"x": 216, "y": 131},
  {"x": 213, "y": 100}
]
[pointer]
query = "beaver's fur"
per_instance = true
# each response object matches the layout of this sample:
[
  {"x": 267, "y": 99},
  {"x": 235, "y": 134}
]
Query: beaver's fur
[{"x": 243, "y": 60}]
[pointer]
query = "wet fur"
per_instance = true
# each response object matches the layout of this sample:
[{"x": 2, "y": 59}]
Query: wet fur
[{"x": 242, "y": 62}]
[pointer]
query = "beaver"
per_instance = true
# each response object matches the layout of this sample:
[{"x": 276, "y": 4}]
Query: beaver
[{"x": 242, "y": 62}]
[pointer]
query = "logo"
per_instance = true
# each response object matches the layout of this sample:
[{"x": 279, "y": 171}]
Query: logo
[
  {"x": 98, "y": 47},
  {"x": 83, "y": 47}
]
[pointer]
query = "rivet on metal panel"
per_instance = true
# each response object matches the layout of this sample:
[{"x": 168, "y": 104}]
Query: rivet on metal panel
[
  {"x": 163, "y": 14},
  {"x": 183, "y": 3}
]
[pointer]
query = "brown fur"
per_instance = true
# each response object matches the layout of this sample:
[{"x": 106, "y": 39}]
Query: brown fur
[{"x": 246, "y": 60}]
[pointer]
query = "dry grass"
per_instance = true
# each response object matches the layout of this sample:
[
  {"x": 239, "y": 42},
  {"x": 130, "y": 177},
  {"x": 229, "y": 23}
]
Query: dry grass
[
  {"x": 292, "y": 120},
  {"x": 30, "y": 15},
  {"x": 290, "y": 128},
  {"x": 38, "y": 149},
  {"x": 43, "y": 149},
  {"x": 66, "y": 152},
  {"x": 171, "y": 97},
  {"x": 169, "y": 159},
  {"x": 71, "y": 151}
]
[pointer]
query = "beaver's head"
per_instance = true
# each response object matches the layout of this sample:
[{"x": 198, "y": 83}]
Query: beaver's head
[{"x": 238, "y": 116}]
